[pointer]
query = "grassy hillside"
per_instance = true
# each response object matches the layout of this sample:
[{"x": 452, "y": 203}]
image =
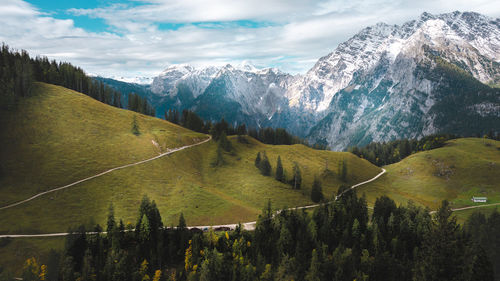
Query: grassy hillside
[
  {"x": 60, "y": 136},
  {"x": 461, "y": 169},
  {"x": 14, "y": 252}
]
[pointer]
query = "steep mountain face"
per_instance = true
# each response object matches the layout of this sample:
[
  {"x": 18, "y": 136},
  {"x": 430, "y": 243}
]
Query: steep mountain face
[
  {"x": 406, "y": 84},
  {"x": 426, "y": 76},
  {"x": 244, "y": 95},
  {"x": 125, "y": 88},
  {"x": 240, "y": 94},
  {"x": 179, "y": 85}
]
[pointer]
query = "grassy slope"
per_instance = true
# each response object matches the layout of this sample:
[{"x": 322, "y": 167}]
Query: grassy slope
[
  {"x": 60, "y": 136},
  {"x": 462, "y": 169},
  {"x": 186, "y": 182},
  {"x": 17, "y": 251}
]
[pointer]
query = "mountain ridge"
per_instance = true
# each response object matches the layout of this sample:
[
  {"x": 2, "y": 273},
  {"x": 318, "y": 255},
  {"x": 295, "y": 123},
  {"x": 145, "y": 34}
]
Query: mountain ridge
[{"x": 384, "y": 60}]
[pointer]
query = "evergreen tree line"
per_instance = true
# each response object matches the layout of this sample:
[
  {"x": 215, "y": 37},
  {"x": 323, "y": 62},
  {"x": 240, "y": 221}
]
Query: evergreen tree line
[
  {"x": 223, "y": 144},
  {"x": 275, "y": 136},
  {"x": 139, "y": 104},
  {"x": 338, "y": 241},
  {"x": 393, "y": 151},
  {"x": 262, "y": 163},
  {"x": 18, "y": 71}
]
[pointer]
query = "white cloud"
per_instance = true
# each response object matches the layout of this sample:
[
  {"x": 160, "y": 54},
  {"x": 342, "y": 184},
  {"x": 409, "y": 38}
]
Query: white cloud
[{"x": 300, "y": 31}]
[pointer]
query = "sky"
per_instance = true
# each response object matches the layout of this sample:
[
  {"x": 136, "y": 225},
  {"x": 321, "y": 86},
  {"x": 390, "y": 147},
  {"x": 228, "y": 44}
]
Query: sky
[{"x": 142, "y": 37}]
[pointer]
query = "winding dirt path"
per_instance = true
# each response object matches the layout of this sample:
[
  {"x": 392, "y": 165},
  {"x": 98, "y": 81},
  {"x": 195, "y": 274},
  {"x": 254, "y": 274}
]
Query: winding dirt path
[
  {"x": 103, "y": 173},
  {"x": 469, "y": 207},
  {"x": 247, "y": 225}
]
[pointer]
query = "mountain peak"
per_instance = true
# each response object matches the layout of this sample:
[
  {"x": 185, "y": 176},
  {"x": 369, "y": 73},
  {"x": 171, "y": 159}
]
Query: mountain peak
[{"x": 375, "y": 76}]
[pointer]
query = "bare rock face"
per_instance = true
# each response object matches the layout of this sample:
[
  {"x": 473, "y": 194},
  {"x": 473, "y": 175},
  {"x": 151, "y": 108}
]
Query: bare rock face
[{"x": 426, "y": 76}]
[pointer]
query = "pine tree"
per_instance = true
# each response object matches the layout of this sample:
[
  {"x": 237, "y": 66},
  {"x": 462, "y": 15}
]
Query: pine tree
[
  {"x": 443, "y": 251},
  {"x": 297, "y": 177},
  {"x": 285, "y": 242},
  {"x": 88, "y": 271},
  {"x": 482, "y": 269},
  {"x": 265, "y": 166},
  {"x": 342, "y": 170},
  {"x": 135, "y": 127},
  {"x": 111, "y": 224},
  {"x": 316, "y": 191},
  {"x": 280, "y": 176},
  {"x": 182, "y": 222},
  {"x": 314, "y": 272},
  {"x": 257, "y": 160},
  {"x": 144, "y": 229},
  {"x": 224, "y": 142},
  {"x": 219, "y": 158}
]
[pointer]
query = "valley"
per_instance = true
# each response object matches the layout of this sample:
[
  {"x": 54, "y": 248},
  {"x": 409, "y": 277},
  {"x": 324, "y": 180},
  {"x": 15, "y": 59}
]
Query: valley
[
  {"x": 187, "y": 182},
  {"x": 463, "y": 168},
  {"x": 181, "y": 182},
  {"x": 386, "y": 82},
  {"x": 380, "y": 162}
]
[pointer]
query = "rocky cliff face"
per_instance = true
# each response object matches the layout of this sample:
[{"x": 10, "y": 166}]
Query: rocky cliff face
[
  {"x": 425, "y": 76},
  {"x": 408, "y": 87}
]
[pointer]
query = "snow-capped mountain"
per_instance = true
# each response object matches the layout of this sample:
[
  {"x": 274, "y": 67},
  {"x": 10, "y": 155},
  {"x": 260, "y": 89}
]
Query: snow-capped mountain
[
  {"x": 395, "y": 78},
  {"x": 245, "y": 95},
  {"x": 241, "y": 93},
  {"x": 385, "y": 82},
  {"x": 140, "y": 80},
  {"x": 177, "y": 76}
]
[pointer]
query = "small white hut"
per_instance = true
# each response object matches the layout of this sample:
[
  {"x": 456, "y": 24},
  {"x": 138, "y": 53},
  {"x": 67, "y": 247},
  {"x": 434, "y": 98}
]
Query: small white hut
[{"x": 479, "y": 199}]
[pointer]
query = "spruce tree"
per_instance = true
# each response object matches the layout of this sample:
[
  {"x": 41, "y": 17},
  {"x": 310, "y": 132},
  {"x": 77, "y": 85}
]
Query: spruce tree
[
  {"x": 265, "y": 166},
  {"x": 280, "y": 175},
  {"x": 224, "y": 142},
  {"x": 257, "y": 160},
  {"x": 314, "y": 272},
  {"x": 135, "y": 127},
  {"x": 442, "y": 255},
  {"x": 182, "y": 222},
  {"x": 316, "y": 191},
  {"x": 297, "y": 177},
  {"x": 342, "y": 170},
  {"x": 482, "y": 269},
  {"x": 111, "y": 219},
  {"x": 219, "y": 159}
]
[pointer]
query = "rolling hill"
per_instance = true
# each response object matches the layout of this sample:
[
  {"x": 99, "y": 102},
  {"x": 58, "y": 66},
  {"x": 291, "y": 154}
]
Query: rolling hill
[
  {"x": 60, "y": 136},
  {"x": 461, "y": 169}
]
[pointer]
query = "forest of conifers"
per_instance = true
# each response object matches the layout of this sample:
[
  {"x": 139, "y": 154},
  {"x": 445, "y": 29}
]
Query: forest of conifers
[
  {"x": 18, "y": 71},
  {"x": 338, "y": 241}
]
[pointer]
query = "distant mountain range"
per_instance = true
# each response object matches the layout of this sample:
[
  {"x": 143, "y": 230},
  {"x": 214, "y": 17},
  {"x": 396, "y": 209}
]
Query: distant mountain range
[{"x": 434, "y": 74}]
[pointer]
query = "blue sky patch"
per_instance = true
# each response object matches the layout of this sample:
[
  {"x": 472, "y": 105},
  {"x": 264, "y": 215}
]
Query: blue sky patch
[{"x": 58, "y": 9}]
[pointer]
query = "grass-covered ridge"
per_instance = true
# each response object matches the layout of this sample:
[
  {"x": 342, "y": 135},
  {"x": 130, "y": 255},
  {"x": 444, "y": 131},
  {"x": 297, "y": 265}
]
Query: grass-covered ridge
[
  {"x": 461, "y": 169},
  {"x": 60, "y": 136}
]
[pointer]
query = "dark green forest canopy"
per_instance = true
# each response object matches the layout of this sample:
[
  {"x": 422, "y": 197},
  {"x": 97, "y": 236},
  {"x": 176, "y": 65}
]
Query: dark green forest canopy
[
  {"x": 337, "y": 241},
  {"x": 18, "y": 71}
]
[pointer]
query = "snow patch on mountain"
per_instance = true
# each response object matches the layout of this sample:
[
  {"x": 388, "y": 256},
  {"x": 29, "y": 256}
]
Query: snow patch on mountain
[{"x": 381, "y": 84}]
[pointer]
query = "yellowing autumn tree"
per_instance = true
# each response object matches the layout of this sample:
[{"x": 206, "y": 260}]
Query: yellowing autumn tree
[
  {"x": 43, "y": 272},
  {"x": 31, "y": 270},
  {"x": 188, "y": 257},
  {"x": 157, "y": 275},
  {"x": 143, "y": 271}
]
